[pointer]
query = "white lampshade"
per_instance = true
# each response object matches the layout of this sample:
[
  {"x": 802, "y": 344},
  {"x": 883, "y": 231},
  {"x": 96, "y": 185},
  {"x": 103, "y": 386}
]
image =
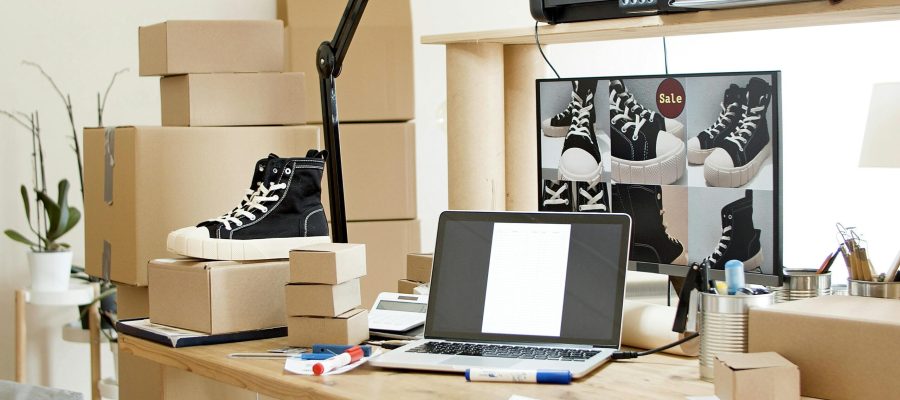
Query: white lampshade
[{"x": 881, "y": 144}]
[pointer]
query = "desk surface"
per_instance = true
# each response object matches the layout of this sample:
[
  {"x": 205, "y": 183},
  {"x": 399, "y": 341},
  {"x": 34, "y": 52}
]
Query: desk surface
[{"x": 650, "y": 377}]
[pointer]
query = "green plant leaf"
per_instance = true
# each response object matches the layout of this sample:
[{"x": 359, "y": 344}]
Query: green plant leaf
[
  {"x": 74, "y": 217},
  {"x": 52, "y": 214},
  {"x": 62, "y": 203},
  {"x": 19, "y": 238},
  {"x": 27, "y": 203}
]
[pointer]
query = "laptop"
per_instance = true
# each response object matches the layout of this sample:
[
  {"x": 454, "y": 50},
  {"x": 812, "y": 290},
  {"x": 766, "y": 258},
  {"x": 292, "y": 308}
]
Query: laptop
[{"x": 533, "y": 291}]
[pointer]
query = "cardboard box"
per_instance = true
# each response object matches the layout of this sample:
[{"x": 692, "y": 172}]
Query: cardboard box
[
  {"x": 132, "y": 301},
  {"x": 759, "y": 376},
  {"x": 418, "y": 267},
  {"x": 193, "y": 47},
  {"x": 164, "y": 179},
  {"x": 844, "y": 345},
  {"x": 379, "y": 170},
  {"x": 407, "y": 287},
  {"x": 376, "y": 82},
  {"x": 218, "y": 296},
  {"x": 185, "y": 385},
  {"x": 351, "y": 327},
  {"x": 387, "y": 244},
  {"x": 321, "y": 300},
  {"x": 274, "y": 98},
  {"x": 139, "y": 378},
  {"x": 328, "y": 263}
]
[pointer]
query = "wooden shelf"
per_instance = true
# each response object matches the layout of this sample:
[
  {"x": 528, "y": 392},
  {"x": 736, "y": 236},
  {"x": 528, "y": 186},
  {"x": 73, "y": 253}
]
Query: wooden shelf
[{"x": 792, "y": 15}]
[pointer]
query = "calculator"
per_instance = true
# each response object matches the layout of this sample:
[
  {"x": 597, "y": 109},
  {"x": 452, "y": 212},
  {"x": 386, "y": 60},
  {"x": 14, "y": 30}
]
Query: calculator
[{"x": 398, "y": 312}]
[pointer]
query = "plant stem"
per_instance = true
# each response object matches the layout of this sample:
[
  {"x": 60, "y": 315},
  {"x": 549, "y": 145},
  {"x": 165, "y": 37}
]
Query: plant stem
[{"x": 77, "y": 145}]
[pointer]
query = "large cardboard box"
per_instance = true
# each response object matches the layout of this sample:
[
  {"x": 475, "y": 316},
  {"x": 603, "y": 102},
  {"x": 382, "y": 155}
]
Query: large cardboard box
[
  {"x": 139, "y": 378},
  {"x": 351, "y": 327},
  {"x": 379, "y": 170},
  {"x": 165, "y": 178},
  {"x": 132, "y": 302},
  {"x": 418, "y": 267},
  {"x": 387, "y": 244},
  {"x": 758, "y": 376},
  {"x": 376, "y": 82},
  {"x": 406, "y": 286},
  {"x": 274, "y": 98},
  {"x": 321, "y": 300},
  {"x": 218, "y": 296},
  {"x": 845, "y": 346},
  {"x": 185, "y": 47},
  {"x": 328, "y": 263}
]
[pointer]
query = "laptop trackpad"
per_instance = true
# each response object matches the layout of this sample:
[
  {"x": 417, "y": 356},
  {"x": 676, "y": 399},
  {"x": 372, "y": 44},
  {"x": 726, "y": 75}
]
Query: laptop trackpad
[{"x": 480, "y": 361}]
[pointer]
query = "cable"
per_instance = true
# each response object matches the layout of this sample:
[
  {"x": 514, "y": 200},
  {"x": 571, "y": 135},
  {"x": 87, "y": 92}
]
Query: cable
[
  {"x": 665, "y": 55},
  {"x": 625, "y": 355},
  {"x": 537, "y": 41}
]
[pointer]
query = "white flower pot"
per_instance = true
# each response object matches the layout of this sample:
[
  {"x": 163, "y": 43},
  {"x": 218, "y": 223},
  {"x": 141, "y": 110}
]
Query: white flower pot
[{"x": 50, "y": 270}]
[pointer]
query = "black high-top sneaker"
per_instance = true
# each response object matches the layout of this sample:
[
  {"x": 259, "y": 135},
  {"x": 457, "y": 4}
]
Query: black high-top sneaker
[
  {"x": 650, "y": 242},
  {"x": 558, "y": 125},
  {"x": 556, "y": 196},
  {"x": 284, "y": 213},
  {"x": 740, "y": 240},
  {"x": 580, "y": 158},
  {"x": 643, "y": 154},
  {"x": 740, "y": 155},
  {"x": 259, "y": 175},
  {"x": 591, "y": 197},
  {"x": 626, "y": 103},
  {"x": 700, "y": 146}
]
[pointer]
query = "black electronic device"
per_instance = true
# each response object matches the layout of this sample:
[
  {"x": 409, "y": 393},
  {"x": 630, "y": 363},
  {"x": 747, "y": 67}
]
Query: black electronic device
[{"x": 559, "y": 11}]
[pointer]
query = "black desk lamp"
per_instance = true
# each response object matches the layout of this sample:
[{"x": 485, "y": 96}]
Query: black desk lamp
[{"x": 330, "y": 57}]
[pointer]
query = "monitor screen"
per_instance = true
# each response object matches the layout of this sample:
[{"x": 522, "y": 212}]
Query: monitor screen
[{"x": 694, "y": 159}]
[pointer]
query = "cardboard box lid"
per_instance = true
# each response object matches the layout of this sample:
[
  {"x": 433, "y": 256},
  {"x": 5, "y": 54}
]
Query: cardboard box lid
[
  {"x": 743, "y": 361},
  {"x": 351, "y": 313},
  {"x": 849, "y": 308}
]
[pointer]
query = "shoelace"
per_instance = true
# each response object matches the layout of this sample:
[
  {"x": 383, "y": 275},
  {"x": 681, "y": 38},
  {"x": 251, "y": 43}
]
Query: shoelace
[
  {"x": 253, "y": 202},
  {"x": 555, "y": 196},
  {"x": 581, "y": 121},
  {"x": 637, "y": 124},
  {"x": 724, "y": 118},
  {"x": 745, "y": 130},
  {"x": 723, "y": 245},
  {"x": 630, "y": 106},
  {"x": 593, "y": 202},
  {"x": 570, "y": 109}
]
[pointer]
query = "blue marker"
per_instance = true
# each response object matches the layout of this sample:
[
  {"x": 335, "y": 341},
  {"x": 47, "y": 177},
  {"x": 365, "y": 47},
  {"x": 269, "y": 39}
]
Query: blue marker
[
  {"x": 315, "y": 356},
  {"x": 517, "y": 375},
  {"x": 734, "y": 276}
]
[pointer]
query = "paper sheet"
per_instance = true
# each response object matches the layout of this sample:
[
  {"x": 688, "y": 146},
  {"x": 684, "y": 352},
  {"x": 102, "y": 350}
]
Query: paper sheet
[
  {"x": 296, "y": 365},
  {"x": 648, "y": 326}
]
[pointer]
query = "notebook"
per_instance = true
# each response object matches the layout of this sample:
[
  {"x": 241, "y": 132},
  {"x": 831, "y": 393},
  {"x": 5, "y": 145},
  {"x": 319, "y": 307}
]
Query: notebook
[{"x": 514, "y": 290}]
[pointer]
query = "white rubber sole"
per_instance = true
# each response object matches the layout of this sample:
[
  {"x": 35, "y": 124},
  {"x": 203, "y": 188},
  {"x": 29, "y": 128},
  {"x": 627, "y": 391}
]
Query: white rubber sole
[
  {"x": 756, "y": 261},
  {"x": 238, "y": 250},
  {"x": 695, "y": 154},
  {"x": 582, "y": 168},
  {"x": 553, "y": 131},
  {"x": 682, "y": 259},
  {"x": 662, "y": 170},
  {"x": 724, "y": 176},
  {"x": 675, "y": 128}
]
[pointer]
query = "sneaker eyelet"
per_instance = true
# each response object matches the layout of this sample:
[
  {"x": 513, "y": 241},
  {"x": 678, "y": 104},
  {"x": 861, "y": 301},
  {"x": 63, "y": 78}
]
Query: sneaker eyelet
[
  {"x": 265, "y": 209},
  {"x": 261, "y": 168},
  {"x": 274, "y": 170},
  {"x": 253, "y": 218},
  {"x": 287, "y": 171}
]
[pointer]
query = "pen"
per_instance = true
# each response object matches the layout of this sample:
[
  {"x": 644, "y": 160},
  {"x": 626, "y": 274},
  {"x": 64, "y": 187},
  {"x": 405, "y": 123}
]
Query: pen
[
  {"x": 316, "y": 356},
  {"x": 352, "y": 355},
  {"x": 335, "y": 349},
  {"x": 517, "y": 375}
]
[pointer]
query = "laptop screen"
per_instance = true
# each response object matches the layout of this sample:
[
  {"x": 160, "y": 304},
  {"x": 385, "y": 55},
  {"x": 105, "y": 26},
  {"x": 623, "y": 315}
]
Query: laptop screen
[{"x": 529, "y": 277}]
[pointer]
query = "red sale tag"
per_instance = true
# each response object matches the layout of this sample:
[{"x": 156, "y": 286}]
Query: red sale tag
[{"x": 670, "y": 98}]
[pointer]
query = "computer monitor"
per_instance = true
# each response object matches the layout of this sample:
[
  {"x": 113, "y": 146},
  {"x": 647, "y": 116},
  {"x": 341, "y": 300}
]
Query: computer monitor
[{"x": 695, "y": 159}]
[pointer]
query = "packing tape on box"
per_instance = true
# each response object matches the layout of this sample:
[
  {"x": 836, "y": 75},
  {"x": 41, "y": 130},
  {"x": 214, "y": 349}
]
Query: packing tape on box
[
  {"x": 110, "y": 146},
  {"x": 647, "y": 326},
  {"x": 106, "y": 267}
]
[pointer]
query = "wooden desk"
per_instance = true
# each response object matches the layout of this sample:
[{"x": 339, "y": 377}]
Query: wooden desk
[{"x": 651, "y": 377}]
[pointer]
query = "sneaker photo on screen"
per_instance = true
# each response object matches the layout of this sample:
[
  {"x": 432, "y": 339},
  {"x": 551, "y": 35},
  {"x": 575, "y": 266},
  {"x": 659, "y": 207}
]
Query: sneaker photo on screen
[
  {"x": 281, "y": 211},
  {"x": 556, "y": 196},
  {"x": 740, "y": 240},
  {"x": 650, "y": 239},
  {"x": 580, "y": 158},
  {"x": 705, "y": 142}
]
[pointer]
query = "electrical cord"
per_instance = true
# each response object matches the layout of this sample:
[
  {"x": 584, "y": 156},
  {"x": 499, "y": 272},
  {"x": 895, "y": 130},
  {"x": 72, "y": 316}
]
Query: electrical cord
[
  {"x": 537, "y": 41},
  {"x": 625, "y": 355}
]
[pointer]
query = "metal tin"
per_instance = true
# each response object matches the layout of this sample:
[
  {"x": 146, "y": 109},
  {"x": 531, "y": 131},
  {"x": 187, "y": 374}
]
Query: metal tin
[
  {"x": 883, "y": 290},
  {"x": 724, "y": 326},
  {"x": 803, "y": 284}
]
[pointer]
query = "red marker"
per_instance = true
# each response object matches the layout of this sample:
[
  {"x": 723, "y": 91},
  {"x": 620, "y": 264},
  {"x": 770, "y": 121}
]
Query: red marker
[{"x": 349, "y": 356}]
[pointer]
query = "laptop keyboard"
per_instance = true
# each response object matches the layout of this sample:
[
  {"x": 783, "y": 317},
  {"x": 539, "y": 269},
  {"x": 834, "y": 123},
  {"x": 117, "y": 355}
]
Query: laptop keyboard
[{"x": 503, "y": 351}]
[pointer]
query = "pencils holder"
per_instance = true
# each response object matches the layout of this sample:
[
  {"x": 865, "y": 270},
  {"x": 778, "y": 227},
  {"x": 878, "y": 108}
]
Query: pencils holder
[
  {"x": 883, "y": 290},
  {"x": 724, "y": 326},
  {"x": 803, "y": 284}
]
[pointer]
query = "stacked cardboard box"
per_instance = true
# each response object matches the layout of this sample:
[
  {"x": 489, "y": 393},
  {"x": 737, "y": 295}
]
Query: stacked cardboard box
[
  {"x": 376, "y": 108},
  {"x": 323, "y": 295},
  {"x": 418, "y": 272}
]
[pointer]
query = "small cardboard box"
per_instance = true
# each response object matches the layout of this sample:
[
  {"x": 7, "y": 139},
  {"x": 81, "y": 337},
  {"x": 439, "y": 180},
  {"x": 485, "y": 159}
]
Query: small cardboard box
[
  {"x": 132, "y": 302},
  {"x": 387, "y": 244},
  {"x": 321, "y": 300},
  {"x": 140, "y": 183},
  {"x": 379, "y": 171},
  {"x": 418, "y": 267},
  {"x": 349, "y": 328},
  {"x": 328, "y": 263},
  {"x": 844, "y": 346},
  {"x": 274, "y": 98},
  {"x": 217, "y": 296},
  {"x": 139, "y": 378},
  {"x": 758, "y": 376},
  {"x": 194, "y": 47},
  {"x": 376, "y": 82},
  {"x": 407, "y": 287}
]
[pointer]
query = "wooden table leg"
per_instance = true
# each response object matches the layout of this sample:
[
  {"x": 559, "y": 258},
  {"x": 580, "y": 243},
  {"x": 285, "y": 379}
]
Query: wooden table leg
[
  {"x": 94, "y": 326},
  {"x": 522, "y": 64},
  {"x": 20, "y": 336}
]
